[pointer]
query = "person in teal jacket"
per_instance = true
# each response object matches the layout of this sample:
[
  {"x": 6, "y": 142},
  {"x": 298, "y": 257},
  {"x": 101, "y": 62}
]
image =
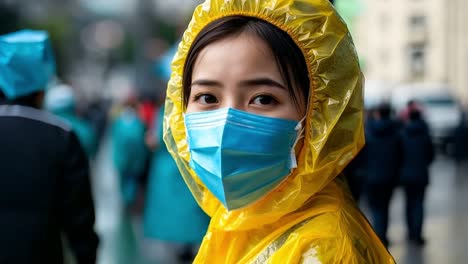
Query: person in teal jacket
[
  {"x": 61, "y": 101},
  {"x": 128, "y": 149},
  {"x": 172, "y": 217}
]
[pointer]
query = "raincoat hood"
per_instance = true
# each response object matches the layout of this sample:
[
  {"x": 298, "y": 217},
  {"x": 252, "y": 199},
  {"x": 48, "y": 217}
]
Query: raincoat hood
[
  {"x": 334, "y": 131},
  {"x": 310, "y": 217},
  {"x": 26, "y": 62}
]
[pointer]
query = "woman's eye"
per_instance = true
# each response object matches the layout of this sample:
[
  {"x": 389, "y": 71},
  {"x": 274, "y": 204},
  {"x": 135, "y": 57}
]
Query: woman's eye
[
  {"x": 264, "y": 100},
  {"x": 206, "y": 99}
]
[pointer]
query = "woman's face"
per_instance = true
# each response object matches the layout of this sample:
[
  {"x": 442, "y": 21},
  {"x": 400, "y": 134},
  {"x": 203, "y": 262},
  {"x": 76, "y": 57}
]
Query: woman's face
[{"x": 241, "y": 72}]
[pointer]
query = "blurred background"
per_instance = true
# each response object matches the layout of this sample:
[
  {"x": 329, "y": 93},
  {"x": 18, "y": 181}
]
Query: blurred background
[{"x": 113, "y": 58}]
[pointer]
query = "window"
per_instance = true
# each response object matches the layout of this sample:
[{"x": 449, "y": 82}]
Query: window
[
  {"x": 417, "y": 22},
  {"x": 417, "y": 60}
]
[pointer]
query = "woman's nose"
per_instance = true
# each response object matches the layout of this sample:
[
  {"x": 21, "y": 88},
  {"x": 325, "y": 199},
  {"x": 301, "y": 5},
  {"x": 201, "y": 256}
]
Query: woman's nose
[{"x": 233, "y": 102}]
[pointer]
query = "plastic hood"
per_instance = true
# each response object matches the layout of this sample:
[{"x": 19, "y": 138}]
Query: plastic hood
[{"x": 334, "y": 121}]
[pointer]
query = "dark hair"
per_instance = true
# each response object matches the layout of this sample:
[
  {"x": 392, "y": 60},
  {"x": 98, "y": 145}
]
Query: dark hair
[
  {"x": 26, "y": 100},
  {"x": 385, "y": 110},
  {"x": 289, "y": 57},
  {"x": 414, "y": 115}
]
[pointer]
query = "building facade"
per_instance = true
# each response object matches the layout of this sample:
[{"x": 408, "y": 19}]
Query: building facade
[
  {"x": 414, "y": 41},
  {"x": 457, "y": 42}
]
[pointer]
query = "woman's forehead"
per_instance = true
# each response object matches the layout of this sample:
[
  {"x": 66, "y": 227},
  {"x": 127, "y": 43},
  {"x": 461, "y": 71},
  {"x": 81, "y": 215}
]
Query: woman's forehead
[{"x": 242, "y": 54}]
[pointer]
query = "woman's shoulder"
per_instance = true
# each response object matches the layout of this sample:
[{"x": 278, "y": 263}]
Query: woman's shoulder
[
  {"x": 338, "y": 232},
  {"x": 342, "y": 237}
]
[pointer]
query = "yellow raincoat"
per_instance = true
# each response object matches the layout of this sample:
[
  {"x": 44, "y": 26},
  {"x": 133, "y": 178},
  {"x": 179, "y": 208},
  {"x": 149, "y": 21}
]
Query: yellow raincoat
[{"x": 309, "y": 217}]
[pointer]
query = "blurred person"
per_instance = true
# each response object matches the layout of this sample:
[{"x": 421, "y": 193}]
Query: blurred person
[
  {"x": 384, "y": 159},
  {"x": 356, "y": 171},
  {"x": 129, "y": 151},
  {"x": 264, "y": 109},
  {"x": 61, "y": 101},
  {"x": 45, "y": 190},
  {"x": 461, "y": 139},
  {"x": 356, "y": 174},
  {"x": 162, "y": 67},
  {"x": 148, "y": 110},
  {"x": 172, "y": 218},
  {"x": 418, "y": 153},
  {"x": 411, "y": 105},
  {"x": 96, "y": 112}
]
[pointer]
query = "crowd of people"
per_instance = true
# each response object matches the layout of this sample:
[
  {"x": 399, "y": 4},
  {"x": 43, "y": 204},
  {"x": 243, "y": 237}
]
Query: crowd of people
[
  {"x": 398, "y": 153},
  {"x": 254, "y": 156}
]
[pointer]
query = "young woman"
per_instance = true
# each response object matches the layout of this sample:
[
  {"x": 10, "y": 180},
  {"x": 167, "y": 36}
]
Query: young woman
[{"x": 263, "y": 112}]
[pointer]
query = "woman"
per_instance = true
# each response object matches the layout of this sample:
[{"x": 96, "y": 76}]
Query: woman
[{"x": 263, "y": 111}]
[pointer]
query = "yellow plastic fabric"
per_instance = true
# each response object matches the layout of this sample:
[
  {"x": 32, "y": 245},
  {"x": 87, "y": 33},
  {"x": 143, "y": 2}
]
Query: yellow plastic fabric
[{"x": 310, "y": 217}]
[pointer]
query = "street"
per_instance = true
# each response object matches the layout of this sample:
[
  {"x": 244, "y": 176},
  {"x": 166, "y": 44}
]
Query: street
[
  {"x": 446, "y": 226},
  {"x": 445, "y": 230}
]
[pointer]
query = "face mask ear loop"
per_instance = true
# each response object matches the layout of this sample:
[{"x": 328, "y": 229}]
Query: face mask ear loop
[
  {"x": 300, "y": 134},
  {"x": 186, "y": 130}
]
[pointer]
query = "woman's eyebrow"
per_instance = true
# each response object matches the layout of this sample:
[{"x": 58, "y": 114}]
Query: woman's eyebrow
[
  {"x": 262, "y": 81},
  {"x": 206, "y": 82}
]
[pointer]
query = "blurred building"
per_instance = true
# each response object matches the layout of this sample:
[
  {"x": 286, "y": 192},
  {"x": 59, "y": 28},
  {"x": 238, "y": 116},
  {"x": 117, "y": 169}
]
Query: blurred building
[
  {"x": 457, "y": 40},
  {"x": 415, "y": 41}
]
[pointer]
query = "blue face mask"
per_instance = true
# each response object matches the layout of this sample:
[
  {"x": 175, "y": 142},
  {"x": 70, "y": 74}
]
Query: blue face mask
[{"x": 240, "y": 156}]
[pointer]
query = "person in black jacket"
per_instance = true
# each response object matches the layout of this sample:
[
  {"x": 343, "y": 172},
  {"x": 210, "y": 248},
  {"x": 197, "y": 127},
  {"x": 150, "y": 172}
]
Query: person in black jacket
[
  {"x": 418, "y": 153},
  {"x": 460, "y": 137},
  {"x": 384, "y": 153},
  {"x": 45, "y": 191},
  {"x": 355, "y": 174}
]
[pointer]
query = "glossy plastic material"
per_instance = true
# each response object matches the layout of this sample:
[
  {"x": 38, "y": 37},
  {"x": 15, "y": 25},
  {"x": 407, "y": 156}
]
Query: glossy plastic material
[
  {"x": 310, "y": 217},
  {"x": 26, "y": 62}
]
